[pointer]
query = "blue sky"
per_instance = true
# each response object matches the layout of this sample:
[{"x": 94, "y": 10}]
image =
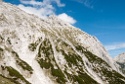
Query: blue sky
[{"x": 104, "y": 19}]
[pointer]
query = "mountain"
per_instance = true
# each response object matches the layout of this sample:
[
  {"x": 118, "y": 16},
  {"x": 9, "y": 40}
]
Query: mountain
[
  {"x": 50, "y": 51},
  {"x": 120, "y": 61}
]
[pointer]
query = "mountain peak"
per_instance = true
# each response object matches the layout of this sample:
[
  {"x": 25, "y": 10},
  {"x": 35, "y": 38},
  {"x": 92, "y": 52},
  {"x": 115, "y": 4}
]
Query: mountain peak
[
  {"x": 120, "y": 58},
  {"x": 120, "y": 61},
  {"x": 52, "y": 17},
  {"x": 55, "y": 21}
]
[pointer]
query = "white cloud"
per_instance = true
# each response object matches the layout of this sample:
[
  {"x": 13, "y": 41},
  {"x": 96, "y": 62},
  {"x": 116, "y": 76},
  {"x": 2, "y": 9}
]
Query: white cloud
[
  {"x": 115, "y": 46},
  {"x": 41, "y": 9},
  {"x": 40, "y": 12},
  {"x": 44, "y": 8},
  {"x": 59, "y": 3},
  {"x": 67, "y": 18}
]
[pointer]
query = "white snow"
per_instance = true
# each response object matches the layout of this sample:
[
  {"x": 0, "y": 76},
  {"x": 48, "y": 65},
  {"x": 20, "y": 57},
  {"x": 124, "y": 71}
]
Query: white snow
[{"x": 39, "y": 76}]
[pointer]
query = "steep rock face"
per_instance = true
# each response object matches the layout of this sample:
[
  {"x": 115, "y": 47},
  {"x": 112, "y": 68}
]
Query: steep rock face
[
  {"x": 120, "y": 61},
  {"x": 50, "y": 51}
]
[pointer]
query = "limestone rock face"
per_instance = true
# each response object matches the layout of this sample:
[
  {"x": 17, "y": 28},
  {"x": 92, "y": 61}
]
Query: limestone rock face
[
  {"x": 50, "y": 51},
  {"x": 120, "y": 61}
]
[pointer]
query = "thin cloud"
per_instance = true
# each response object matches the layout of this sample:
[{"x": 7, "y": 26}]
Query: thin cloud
[
  {"x": 67, "y": 18},
  {"x": 42, "y": 3},
  {"x": 87, "y": 3},
  {"x": 115, "y": 46}
]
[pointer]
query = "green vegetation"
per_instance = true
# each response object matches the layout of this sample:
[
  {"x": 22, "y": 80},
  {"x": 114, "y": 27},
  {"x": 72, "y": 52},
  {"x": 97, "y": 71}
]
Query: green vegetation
[
  {"x": 22, "y": 63},
  {"x": 8, "y": 40},
  {"x": 4, "y": 80},
  {"x": 94, "y": 59},
  {"x": 15, "y": 54},
  {"x": 32, "y": 46},
  {"x": 81, "y": 78},
  {"x": 46, "y": 60},
  {"x": 122, "y": 67},
  {"x": 87, "y": 79},
  {"x": 1, "y": 53},
  {"x": 80, "y": 48},
  {"x": 55, "y": 72},
  {"x": 1, "y": 38},
  {"x": 1, "y": 49},
  {"x": 13, "y": 72},
  {"x": 16, "y": 75},
  {"x": 46, "y": 49},
  {"x": 91, "y": 57},
  {"x": 44, "y": 63},
  {"x": 111, "y": 76},
  {"x": 58, "y": 73},
  {"x": 72, "y": 58}
]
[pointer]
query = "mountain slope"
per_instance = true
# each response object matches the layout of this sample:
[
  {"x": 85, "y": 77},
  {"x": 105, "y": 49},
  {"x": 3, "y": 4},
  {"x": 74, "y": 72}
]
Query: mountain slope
[
  {"x": 39, "y": 51},
  {"x": 120, "y": 61}
]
